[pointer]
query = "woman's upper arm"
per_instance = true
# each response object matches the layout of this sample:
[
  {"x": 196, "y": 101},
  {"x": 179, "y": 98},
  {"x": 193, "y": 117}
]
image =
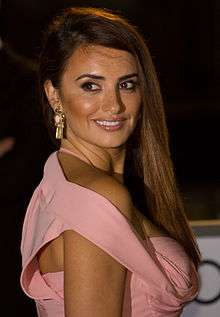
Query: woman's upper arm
[{"x": 94, "y": 282}]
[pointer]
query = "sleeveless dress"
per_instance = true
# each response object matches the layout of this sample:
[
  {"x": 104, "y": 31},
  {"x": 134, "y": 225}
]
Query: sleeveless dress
[{"x": 160, "y": 278}]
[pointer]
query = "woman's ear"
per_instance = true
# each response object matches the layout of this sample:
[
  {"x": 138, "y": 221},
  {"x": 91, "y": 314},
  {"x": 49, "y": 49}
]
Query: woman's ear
[{"x": 52, "y": 94}]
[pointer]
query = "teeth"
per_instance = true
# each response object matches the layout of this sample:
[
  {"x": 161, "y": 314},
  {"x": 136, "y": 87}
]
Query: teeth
[{"x": 108, "y": 123}]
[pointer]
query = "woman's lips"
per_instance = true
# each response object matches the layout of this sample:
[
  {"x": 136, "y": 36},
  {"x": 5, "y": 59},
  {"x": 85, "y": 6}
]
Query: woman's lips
[{"x": 109, "y": 125}]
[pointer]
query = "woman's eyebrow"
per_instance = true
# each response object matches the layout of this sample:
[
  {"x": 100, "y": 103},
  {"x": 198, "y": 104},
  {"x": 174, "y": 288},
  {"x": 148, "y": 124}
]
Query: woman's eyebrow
[
  {"x": 128, "y": 76},
  {"x": 90, "y": 76},
  {"x": 93, "y": 76}
]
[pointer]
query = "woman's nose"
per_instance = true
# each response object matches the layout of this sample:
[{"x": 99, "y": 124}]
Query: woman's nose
[{"x": 113, "y": 102}]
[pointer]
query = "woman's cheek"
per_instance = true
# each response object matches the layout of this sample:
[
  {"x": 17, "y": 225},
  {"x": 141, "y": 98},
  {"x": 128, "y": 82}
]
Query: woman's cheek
[{"x": 88, "y": 106}]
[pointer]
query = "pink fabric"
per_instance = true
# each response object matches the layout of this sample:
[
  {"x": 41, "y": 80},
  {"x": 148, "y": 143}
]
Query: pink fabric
[{"x": 160, "y": 277}]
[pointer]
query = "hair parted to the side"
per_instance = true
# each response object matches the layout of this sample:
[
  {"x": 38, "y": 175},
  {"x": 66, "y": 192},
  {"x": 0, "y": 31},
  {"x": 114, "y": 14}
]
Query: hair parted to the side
[{"x": 148, "y": 169}]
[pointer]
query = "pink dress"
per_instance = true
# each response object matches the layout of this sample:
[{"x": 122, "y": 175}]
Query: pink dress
[{"x": 160, "y": 277}]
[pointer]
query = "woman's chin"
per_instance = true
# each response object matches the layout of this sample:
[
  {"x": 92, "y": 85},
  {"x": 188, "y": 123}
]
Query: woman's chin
[
  {"x": 111, "y": 144},
  {"x": 101, "y": 141}
]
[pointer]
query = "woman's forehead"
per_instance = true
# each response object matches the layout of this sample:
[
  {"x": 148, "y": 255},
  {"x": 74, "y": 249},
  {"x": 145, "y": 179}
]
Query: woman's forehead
[{"x": 97, "y": 57}]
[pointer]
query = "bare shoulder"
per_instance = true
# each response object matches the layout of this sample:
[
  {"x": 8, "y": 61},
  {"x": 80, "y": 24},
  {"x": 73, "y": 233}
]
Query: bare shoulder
[
  {"x": 112, "y": 190},
  {"x": 79, "y": 172},
  {"x": 115, "y": 192}
]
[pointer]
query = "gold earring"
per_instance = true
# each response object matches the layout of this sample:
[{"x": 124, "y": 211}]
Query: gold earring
[{"x": 59, "y": 119}]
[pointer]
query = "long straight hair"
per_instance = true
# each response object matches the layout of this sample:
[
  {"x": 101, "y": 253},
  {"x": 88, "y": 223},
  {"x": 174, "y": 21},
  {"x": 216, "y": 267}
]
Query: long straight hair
[{"x": 149, "y": 172}]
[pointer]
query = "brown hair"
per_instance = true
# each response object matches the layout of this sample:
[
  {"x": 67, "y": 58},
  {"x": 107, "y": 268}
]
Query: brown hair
[{"x": 148, "y": 168}]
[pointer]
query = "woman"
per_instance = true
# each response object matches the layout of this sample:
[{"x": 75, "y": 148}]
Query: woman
[{"x": 105, "y": 233}]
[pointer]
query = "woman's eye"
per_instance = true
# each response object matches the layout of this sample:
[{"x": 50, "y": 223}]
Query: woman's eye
[
  {"x": 128, "y": 85},
  {"x": 89, "y": 86}
]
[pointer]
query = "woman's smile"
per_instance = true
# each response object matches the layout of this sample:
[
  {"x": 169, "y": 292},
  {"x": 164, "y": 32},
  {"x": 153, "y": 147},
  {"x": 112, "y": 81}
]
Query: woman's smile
[{"x": 110, "y": 125}]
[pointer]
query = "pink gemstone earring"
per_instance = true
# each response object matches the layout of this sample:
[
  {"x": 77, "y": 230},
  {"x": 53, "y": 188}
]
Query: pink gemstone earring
[{"x": 59, "y": 119}]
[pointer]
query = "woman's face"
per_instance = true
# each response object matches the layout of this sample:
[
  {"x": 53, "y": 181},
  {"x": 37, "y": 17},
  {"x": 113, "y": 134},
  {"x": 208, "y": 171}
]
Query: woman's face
[{"x": 100, "y": 96}]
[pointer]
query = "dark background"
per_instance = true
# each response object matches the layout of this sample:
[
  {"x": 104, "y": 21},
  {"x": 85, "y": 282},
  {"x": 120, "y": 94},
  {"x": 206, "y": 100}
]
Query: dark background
[{"x": 184, "y": 40}]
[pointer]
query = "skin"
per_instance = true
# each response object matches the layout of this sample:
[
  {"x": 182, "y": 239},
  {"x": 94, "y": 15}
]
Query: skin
[{"x": 93, "y": 86}]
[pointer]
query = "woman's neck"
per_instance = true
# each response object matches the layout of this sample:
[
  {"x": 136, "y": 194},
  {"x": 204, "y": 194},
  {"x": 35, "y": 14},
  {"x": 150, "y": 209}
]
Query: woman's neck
[{"x": 110, "y": 160}]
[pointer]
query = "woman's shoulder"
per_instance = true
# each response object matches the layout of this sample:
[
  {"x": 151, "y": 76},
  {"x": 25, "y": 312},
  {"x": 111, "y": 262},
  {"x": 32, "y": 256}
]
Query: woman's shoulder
[
  {"x": 113, "y": 190},
  {"x": 97, "y": 181}
]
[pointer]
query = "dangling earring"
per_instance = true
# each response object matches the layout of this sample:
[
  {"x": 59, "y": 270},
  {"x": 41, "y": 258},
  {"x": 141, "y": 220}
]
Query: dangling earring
[{"x": 59, "y": 119}]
